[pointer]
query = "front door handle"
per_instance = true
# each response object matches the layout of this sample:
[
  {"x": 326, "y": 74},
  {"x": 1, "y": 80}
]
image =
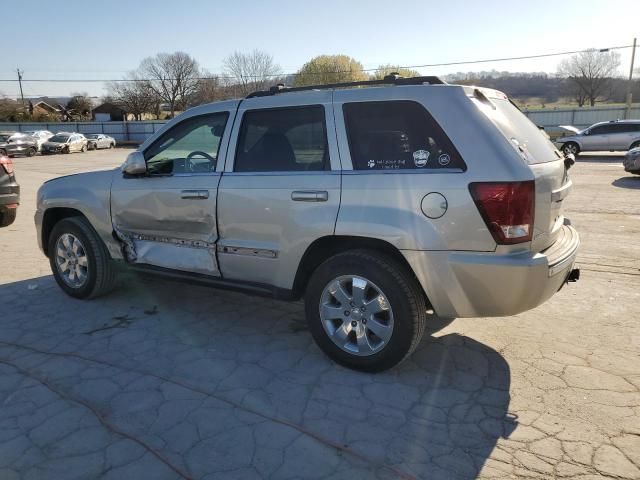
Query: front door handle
[
  {"x": 195, "y": 194},
  {"x": 310, "y": 196}
]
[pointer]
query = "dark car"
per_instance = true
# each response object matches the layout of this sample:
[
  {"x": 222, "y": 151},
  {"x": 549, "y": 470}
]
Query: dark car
[
  {"x": 9, "y": 192},
  {"x": 16, "y": 143}
]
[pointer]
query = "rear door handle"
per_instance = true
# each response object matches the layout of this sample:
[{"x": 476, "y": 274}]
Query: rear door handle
[
  {"x": 310, "y": 196},
  {"x": 195, "y": 194}
]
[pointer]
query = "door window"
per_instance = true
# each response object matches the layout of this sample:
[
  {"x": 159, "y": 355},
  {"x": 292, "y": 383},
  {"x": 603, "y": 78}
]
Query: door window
[
  {"x": 190, "y": 147},
  {"x": 397, "y": 135},
  {"x": 283, "y": 140}
]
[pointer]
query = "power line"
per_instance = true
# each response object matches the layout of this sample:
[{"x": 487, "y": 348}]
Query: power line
[{"x": 426, "y": 65}]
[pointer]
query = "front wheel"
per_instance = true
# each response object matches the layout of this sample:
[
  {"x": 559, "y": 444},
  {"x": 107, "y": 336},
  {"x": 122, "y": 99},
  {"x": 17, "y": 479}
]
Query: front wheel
[
  {"x": 3, "y": 153},
  {"x": 31, "y": 152},
  {"x": 79, "y": 260},
  {"x": 365, "y": 310},
  {"x": 571, "y": 148},
  {"x": 83, "y": 149}
]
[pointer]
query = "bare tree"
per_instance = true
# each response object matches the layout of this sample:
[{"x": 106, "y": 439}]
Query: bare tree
[
  {"x": 590, "y": 73},
  {"x": 80, "y": 105},
  {"x": 251, "y": 71},
  {"x": 134, "y": 95},
  {"x": 173, "y": 77}
]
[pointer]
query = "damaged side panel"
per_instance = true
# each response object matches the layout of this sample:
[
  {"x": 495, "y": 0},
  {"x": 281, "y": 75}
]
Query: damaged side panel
[{"x": 158, "y": 224}]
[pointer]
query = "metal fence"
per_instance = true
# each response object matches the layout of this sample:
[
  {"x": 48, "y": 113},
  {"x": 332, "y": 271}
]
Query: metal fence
[
  {"x": 136, "y": 132},
  {"x": 578, "y": 117}
]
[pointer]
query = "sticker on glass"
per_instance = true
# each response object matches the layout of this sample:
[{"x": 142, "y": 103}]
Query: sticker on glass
[
  {"x": 420, "y": 158},
  {"x": 444, "y": 159},
  {"x": 371, "y": 163}
]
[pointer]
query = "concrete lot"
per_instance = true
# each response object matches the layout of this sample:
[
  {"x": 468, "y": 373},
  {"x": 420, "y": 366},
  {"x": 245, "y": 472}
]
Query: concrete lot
[{"x": 167, "y": 380}]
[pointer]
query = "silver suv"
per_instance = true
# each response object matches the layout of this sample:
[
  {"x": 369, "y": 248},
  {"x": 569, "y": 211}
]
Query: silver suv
[
  {"x": 375, "y": 204},
  {"x": 616, "y": 135}
]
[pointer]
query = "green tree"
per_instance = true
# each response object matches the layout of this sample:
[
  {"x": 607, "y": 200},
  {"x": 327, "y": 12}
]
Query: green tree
[
  {"x": 325, "y": 69},
  {"x": 384, "y": 70}
]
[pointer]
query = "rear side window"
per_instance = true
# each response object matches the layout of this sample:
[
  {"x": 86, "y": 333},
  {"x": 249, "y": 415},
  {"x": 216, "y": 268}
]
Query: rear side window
[
  {"x": 283, "y": 140},
  {"x": 397, "y": 135},
  {"x": 533, "y": 144}
]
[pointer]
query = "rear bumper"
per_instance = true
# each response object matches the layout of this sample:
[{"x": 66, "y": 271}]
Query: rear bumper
[
  {"x": 9, "y": 195},
  {"x": 470, "y": 284}
]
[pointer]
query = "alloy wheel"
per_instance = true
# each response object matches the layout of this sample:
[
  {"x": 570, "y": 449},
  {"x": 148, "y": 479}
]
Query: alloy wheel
[
  {"x": 71, "y": 260},
  {"x": 356, "y": 315}
]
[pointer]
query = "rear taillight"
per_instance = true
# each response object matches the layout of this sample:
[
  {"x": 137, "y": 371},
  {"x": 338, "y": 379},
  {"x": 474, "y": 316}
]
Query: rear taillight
[
  {"x": 507, "y": 209},
  {"x": 7, "y": 164}
]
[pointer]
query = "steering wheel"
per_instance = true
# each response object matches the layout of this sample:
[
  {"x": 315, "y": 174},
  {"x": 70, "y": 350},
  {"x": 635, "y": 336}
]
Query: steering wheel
[{"x": 198, "y": 153}]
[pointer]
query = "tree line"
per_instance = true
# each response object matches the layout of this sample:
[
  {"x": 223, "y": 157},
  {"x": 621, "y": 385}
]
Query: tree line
[
  {"x": 177, "y": 80},
  {"x": 171, "y": 82}
]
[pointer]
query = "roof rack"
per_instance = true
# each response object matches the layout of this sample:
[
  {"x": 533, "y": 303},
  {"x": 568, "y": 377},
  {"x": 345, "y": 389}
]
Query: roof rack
[{"x": 391, "y": 79}]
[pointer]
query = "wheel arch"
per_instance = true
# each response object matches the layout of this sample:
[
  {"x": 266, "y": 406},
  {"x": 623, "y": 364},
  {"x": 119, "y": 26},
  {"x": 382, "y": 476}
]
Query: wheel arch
[
  {"x": 325, "y": 247},
  {"x": 51, "y": 217}
]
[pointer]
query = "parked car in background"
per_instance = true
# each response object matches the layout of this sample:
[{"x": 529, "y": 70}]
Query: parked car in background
[
  {"x": 98, "y": 140},
  {"x": 9, "y": 192},
  {"x": 616, "y": 135},
  {"x": 631, "y": 161},
  {"x": 41, "y": 136},
  {"x": 17, "y": 143},
  {"x": 65, "y": 142},
  {"x": 444, "y": 197}
]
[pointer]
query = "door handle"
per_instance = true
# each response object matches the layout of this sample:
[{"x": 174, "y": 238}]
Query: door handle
[
  {"x": 195, "y": 194},
  {"x": 310, "y": 196}
]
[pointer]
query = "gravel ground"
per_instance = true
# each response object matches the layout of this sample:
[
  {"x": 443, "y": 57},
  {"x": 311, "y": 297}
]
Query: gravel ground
[{"x": 169, "y": 380}]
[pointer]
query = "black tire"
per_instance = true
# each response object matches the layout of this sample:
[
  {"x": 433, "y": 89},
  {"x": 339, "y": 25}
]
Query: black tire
[
  {"x": 65, "y": 150},
  {"x": 111, "y": 145},
  {"x": 8, "y": 216},
  {"x": 405, "y": 296},
  {"x": 31, "y": 152},
  {"x": 101, "y": 270},
  {"x": 3, "y": 153},
  {"x": 83, "y": 149},
  {"x": 571, "y": 147},
  {"x": 634, "y": 145}
]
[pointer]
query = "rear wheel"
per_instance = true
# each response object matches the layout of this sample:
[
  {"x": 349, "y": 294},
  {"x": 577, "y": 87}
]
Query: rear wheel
[
  {"x": 111, "y": 145},
  {"x": 83, "y": 149},
  {"x": 79, "y": 260},
  {"x": 31, "y": 152},
  {"x": 3, "y": 152},
  {"x": 365, "y": 310},
  {"x": 571, "y": 148}
]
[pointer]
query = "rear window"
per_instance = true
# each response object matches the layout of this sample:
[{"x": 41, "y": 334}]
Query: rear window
[
  {"x": 394, "y": 135},
  {"x": 534, "y": 145}
]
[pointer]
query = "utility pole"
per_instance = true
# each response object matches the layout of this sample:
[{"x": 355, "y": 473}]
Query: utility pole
[
  {"x": 627, "y": 113},
  {"x": 20, "y": 72}
]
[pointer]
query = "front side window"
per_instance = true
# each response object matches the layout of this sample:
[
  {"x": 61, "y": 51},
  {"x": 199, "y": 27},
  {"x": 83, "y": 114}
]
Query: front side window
[
  {"x": 191, "y": 146},
  {"x": 396, "y": 135},
  {"x": 283, "y": 140}
]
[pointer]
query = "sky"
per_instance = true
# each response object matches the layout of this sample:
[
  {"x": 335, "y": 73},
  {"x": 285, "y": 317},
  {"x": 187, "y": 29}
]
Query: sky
[{"x": 103, "y": 40}]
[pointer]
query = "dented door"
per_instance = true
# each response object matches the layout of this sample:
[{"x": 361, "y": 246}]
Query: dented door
[{"x": 167, "y": 218}]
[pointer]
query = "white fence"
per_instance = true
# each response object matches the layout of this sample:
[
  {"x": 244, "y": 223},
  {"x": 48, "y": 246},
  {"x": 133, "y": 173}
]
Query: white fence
[{"x": 136, "y": 132}]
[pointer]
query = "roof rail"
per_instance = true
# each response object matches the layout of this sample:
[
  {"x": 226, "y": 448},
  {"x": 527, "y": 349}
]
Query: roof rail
[{"x": 391, "y": 79}]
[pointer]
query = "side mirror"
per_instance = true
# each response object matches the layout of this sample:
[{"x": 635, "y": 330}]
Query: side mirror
[
  {"x": 134, "y": 164},
  {"x": 586, "y": 132}
]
